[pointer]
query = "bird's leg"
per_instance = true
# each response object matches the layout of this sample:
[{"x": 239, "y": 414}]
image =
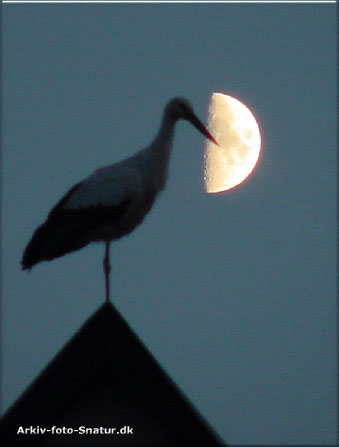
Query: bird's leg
[{"x": 107, "y": 269}]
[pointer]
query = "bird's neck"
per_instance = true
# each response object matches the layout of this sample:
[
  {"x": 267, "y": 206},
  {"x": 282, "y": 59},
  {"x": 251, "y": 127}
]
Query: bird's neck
[
  {"x": 159, "y": 152},
  {"x": 162, "y": 143}
]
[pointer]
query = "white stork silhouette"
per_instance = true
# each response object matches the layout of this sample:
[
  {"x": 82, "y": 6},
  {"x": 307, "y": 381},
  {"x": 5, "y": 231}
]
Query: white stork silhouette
[{"x": 112, "y": 201}]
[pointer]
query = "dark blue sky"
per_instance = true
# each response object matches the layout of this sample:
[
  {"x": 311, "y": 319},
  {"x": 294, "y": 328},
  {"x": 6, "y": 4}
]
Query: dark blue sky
[{"x": 235, "y": 293}]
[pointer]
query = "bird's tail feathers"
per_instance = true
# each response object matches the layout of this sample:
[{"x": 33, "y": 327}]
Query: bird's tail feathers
[{"x": 48, "y": 242}]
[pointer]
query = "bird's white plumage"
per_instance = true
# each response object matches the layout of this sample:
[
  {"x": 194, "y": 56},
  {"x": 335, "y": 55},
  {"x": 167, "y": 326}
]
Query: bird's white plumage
[{"x": 107, "y": 186}]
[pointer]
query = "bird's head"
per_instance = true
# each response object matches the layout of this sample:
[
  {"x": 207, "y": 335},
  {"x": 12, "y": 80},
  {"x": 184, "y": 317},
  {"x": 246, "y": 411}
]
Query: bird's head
[{"x": 180, "y": 108}]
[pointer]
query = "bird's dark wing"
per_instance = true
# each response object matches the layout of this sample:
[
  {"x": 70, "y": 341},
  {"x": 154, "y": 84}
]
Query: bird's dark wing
[
  {"x": 57, "y": 207},
  {"x": 90, "y": 211},
  {"x": 67, "y": 230}
]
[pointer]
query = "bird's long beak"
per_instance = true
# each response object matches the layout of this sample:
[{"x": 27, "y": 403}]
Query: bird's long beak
[{"x": 193, "y": 119}]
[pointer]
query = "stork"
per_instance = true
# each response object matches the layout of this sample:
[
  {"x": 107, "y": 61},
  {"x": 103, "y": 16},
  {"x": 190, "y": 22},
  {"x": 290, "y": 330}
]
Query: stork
[{"x": 112, "y": 201}]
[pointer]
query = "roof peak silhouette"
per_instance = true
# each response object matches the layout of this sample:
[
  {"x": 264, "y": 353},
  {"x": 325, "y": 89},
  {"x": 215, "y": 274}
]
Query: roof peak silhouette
[{"x": 105, "y": 376}]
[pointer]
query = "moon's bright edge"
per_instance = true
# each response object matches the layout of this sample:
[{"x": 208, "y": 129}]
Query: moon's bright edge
[{"x": 237, "y": 132}]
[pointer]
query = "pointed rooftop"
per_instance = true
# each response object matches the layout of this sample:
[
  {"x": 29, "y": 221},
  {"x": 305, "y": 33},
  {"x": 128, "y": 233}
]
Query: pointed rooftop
[{"x": 105, "y": 377}]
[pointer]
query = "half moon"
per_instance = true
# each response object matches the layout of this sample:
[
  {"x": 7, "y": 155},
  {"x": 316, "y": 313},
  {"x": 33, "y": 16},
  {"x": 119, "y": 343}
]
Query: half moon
[{"x": 237, "y": 132}]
